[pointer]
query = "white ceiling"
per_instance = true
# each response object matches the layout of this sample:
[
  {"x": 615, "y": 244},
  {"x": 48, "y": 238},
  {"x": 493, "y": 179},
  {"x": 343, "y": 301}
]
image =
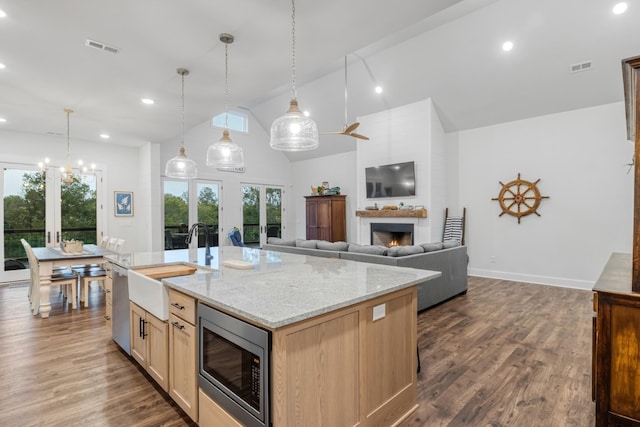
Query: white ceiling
[{"x": 449, "y": 50}]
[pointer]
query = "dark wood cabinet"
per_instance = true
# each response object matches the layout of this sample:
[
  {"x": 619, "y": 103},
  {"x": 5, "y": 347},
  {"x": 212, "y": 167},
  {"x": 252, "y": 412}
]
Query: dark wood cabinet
[
  {"x": 616, "y": 356},
  {"x": 326, "y": 218}
]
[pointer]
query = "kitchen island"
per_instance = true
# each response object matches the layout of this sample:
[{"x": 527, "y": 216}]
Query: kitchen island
[{"x": 343, "y": 333}]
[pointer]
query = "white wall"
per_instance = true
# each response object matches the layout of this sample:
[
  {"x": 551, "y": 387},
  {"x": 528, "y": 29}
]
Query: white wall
[
  {"x": 340, "y": 171},
  {"x": 580, "y": 158},
  {"x": 119, "y": 166},
  {"x": 264, "y": 165},
  {"x": 411, "y": 132}
]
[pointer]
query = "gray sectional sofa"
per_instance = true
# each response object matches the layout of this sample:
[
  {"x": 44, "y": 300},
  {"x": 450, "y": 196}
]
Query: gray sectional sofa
[{"x": 449, "y": 258}]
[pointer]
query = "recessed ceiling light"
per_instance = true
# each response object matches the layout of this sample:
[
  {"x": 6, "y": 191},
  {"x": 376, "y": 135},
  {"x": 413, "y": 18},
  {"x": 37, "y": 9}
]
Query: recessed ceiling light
[
  {"x": 2, "y": 66},
  {"x": 2, "y": 13},
  {"x": 620, "y": 8},
  {"x": 3, "y": 120},
  {"x": 507, "y": 46},
  {"x": 378, "y": 89},
  {"x": 104, "y": 136},
  {"x": 147, "y": 101}
]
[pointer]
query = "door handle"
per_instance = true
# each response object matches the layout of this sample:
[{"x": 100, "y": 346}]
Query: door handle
[
  {"x": 57, "y": 237},
  {"x": 48, "y": 237}
]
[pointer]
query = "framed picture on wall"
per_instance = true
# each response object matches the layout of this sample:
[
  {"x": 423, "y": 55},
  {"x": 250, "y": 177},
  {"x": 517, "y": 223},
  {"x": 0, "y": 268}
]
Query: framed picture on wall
[{"x": 123, "y": 205}]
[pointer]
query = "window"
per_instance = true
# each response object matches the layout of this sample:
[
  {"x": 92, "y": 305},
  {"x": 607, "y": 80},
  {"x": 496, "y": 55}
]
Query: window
[{"x": 237, "y": 121}]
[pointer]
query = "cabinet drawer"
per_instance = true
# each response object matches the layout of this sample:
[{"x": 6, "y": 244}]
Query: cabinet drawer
[
  {"x": 182, "y": 306},
  {"x": 210, "y": 414}
]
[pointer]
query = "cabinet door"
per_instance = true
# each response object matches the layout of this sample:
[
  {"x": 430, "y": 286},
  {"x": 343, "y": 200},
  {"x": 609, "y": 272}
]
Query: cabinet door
[
  {"x": 138, "y": 344},
  {"x": 157, "y": 341},
  {"x": 183, "y": 369}
]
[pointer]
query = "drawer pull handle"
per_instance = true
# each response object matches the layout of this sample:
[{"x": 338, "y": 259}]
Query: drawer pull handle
[
  {"x": 107, "y": 318},
  {"x": 177, "y": 325},
  {"x": 178, "y": 306}
]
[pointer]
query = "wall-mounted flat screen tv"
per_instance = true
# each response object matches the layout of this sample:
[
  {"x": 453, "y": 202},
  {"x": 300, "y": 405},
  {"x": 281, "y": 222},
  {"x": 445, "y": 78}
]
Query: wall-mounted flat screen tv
[{"x": 396, "y": 180}]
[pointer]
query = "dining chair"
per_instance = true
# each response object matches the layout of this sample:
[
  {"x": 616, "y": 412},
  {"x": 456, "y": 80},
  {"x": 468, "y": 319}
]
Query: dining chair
[
  {"x": 104, "y": 241},
  {"x": 68, "y": 280},
  {"x": 86, "y": 276},
  {"x": 95, "y": 273},
  {"x": 112, "y": 243}
]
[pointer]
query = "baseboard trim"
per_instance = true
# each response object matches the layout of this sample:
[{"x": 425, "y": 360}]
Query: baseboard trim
[{"x": 539, "y": 280}]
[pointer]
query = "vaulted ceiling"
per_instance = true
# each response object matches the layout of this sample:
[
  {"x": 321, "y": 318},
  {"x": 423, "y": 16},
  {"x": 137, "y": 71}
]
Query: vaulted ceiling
[{"x": 449, "y": 50}]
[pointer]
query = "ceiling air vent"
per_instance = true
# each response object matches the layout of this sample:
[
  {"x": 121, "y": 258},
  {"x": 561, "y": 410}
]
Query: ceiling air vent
[
  {"x": 98, "y": 45},
  {"x": 583, "y": 66}
]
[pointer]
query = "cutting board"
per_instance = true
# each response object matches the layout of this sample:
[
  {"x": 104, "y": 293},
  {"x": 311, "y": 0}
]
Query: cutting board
[{"x": 164, "y": 271}]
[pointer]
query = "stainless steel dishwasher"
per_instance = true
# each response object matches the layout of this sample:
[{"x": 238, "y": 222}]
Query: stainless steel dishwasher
[{"x": 120, "y": 317}]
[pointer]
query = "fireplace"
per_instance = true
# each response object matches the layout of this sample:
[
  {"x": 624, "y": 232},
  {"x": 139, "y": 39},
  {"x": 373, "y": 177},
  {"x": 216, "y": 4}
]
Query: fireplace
[{"x": 388, "y": 235}]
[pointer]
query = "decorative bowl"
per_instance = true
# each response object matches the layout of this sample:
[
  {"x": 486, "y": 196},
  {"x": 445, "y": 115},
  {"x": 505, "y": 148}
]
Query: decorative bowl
[{"x": 71, "y": 246}]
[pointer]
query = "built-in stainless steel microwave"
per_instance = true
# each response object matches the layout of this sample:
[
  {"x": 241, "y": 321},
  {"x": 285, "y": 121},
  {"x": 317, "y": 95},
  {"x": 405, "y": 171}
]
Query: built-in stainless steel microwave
[{"x": 234, "y": 365}]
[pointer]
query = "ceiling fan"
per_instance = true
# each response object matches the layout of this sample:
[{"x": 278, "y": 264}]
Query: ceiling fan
[{"x": 348, "y": 129}]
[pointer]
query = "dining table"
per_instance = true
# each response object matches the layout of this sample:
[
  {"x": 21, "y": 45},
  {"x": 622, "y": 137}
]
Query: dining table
[{"x": 50, "y": 257}]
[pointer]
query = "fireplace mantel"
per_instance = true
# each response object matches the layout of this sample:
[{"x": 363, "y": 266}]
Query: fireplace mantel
[{"x": 414, "y": 213}]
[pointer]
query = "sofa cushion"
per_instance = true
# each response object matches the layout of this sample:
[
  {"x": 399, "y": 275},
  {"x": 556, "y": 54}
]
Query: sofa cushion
[
  {"x": 281, "y": 242},
  {"x": 367, "y": 249},
  {"x": 309, "y": 244},
  {"x": 430, "y": 247},
  {"x": 332, "y": 246},
  {"x": 405, "y": 250},
  {"x": 450, "y": 244}
]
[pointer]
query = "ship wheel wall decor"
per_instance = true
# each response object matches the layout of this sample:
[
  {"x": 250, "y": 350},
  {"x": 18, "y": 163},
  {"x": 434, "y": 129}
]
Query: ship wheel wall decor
[{"x": 519, "y": 198}]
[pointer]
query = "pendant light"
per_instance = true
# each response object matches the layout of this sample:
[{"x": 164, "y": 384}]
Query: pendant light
[
  {"x": 294, "y": 131},
  {"x": 67, "y": 171},
  {"x": 181, "y": 166},
  {"x": 225, "y": 154}
]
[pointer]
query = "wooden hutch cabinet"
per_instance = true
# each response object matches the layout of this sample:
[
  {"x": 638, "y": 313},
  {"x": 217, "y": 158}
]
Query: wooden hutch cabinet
[
  {"x": 616, "y": 326},
  {"x": 326, "y": 218},
  {"x": 616, "y": 346}
]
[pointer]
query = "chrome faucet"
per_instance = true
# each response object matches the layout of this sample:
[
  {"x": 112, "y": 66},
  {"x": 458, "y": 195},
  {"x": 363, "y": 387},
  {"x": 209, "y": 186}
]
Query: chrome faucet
[{"x": 194, "y": 230}]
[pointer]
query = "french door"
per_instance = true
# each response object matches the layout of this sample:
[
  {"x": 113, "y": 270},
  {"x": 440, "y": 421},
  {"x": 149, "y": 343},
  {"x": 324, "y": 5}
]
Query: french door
[
  {"x": 188, "y": 202},
  {"x": 39, "y": 208},
  {"x": 262, "y": 212}
]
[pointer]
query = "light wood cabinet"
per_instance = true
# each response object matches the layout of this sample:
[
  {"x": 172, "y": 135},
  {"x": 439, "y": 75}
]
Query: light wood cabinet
[
  {"x": 348, "y": 367},
  {"x": 211, "y": 414},
  {"x": 326, "y": 218},
  {"x": 108, "y": 291},
  {"x": 149, "y": 344},
  {"x": 183, "y": 366}
]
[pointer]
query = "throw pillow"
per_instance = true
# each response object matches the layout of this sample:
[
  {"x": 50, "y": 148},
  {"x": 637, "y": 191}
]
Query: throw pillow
[
  {"x": 368, "y": 249},
  {"x": 281, "y": 242},
  {"x": 410, "y": 250},
  {"x": 430, "y": 247},
  {"x": 309, "y": 244},
  {"x": 332, "y": 246},
  {"x": 450, "y": 244}
]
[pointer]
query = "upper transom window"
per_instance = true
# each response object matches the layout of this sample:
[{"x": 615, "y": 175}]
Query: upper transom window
[{"x": 236, "y": 121}]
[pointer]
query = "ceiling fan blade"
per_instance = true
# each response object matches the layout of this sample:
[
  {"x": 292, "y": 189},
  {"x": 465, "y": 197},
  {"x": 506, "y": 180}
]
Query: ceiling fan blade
[
  {"x": 351, "y": 127},
  {"x": 357, "y": 135},
  {"x": 340, "y": 132}
]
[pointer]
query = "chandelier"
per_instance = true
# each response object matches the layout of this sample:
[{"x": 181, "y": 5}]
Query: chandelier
[{"x": 68, "y": 175}]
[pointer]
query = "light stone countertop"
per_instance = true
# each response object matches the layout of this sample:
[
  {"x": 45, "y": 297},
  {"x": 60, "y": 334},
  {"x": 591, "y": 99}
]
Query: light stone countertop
[{"x": 280, "y": 288}]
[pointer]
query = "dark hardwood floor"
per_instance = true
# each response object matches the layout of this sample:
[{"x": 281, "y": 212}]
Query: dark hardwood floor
[{"x": 505, "y": 353}]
